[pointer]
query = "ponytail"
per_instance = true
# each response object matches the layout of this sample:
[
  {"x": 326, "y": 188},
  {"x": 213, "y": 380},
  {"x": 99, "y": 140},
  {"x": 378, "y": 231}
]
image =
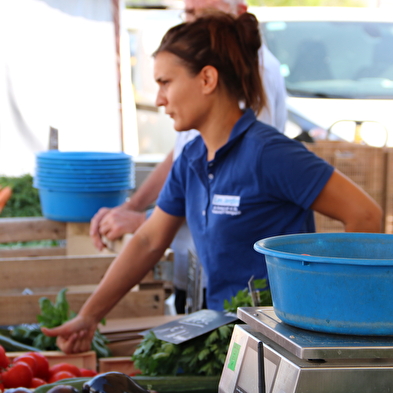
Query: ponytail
[{"x": 227, "y": 43}]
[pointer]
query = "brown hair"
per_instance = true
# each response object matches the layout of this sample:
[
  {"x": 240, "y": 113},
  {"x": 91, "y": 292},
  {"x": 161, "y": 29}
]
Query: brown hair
[{"x": 227, "y": 43}]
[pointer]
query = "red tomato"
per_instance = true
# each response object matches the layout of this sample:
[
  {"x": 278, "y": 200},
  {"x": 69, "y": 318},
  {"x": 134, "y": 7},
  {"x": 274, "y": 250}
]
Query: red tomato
[
  {"x": 87, "y": 373},
  {"x": 65, "y": 367},
  {"x": 42, "y": 370},
  {"x": 4, "y": 361},
  {"x": 30, "y": 360},
  {"x": 1, "y": 386},
  {"x": 60, "y": 375},
  {"x": 35, "y": 382},
  {"x": 18, "y": 375}
]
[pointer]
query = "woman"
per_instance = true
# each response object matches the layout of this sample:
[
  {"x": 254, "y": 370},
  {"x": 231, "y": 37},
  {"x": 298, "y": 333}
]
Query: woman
[{"x": 239, "y": 182}]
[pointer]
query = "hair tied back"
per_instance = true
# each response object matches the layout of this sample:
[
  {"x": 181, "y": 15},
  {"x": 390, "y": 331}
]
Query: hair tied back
[{"x": 247, "y": 27}]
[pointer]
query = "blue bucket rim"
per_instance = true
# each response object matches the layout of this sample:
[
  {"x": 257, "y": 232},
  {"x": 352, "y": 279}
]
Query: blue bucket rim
[
  {"x": 82, "y": 155},
  {"x": 263, "y": 246}
]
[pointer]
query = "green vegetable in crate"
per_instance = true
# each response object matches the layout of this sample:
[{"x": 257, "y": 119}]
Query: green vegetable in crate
[
  {"x": 52, "y": 315},
  {"x": 243, "y": 298},
  {"x": 203, "y": 355}
]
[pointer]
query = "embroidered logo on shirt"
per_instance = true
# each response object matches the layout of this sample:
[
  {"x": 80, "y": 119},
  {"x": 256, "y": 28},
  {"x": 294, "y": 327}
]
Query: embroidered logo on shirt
[{"x": 226, "y": 204}]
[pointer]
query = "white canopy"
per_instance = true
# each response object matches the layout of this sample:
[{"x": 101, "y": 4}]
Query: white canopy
[{"x": 59, "y": 68}]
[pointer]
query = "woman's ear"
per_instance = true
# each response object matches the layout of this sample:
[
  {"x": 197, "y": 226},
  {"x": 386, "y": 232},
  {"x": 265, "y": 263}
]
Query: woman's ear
[{"x": 209, "y": 79}]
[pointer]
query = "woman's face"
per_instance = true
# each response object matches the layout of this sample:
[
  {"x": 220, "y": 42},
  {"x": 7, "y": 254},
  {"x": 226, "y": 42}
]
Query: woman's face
[{"x": 179, "y": 92}]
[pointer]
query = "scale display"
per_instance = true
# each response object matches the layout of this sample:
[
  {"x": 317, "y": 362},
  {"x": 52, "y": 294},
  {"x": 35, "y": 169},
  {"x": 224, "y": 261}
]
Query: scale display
[{"x": 267, "y": 356}]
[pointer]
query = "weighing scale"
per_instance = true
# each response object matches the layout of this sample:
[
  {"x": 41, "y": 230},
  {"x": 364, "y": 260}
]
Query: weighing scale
[{"x": 266, "y": 355}]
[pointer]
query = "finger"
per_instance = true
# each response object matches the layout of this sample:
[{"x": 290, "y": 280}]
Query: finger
[
  {"x": 82, "y": 343},
  {"x": 66, "y": 344},
  {"x": 57, "y": 331},
  {"x": 95, "y": 221},
  {"x": 97, "y": 242}
]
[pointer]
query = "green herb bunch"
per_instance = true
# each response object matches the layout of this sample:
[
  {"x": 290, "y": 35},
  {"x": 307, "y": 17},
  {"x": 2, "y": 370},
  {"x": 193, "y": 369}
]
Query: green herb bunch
[
  {"x": 52, "y": 315},
  {"x": 243, "y": 298},
  {"x": 203, "y": 355}
]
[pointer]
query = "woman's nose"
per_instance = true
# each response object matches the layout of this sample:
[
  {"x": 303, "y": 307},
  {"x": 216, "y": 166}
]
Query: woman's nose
[{"x": 160, "y": 100}]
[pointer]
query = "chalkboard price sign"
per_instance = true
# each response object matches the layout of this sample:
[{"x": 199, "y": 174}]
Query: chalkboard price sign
[{"x": 192, "y": 325}]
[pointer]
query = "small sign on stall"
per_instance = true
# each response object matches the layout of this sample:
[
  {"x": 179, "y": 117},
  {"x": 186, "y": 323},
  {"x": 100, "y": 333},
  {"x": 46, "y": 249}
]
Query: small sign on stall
[{"x": 191, "y": 326}]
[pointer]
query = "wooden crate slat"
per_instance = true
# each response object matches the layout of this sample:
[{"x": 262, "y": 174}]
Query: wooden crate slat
[
  {"x": 24, "y": 308},
  {"x": 32, "y": 252},
  {"x": 38, "y": 272},
  {"x": 22, "y": 229}
]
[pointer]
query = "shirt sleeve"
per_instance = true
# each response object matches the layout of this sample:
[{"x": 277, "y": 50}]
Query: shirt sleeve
[
  {"x": 293, "y": 173},
  {"x": 172, "y": 196}
]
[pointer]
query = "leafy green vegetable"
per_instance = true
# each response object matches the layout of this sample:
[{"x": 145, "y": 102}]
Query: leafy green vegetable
[
  {"x": 243, "y": 298},
  {"x": 203, "y": 355},
  {"x": 25, "y": 201},
  {"x": 53, "y": 315}
]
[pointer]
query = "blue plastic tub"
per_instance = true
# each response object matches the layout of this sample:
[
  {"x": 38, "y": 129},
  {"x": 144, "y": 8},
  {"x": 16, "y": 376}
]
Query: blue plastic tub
[
  {"x": 82, "y": 179},
  {"x": 77, "y": 206},
  {"x": 83, "y": 186},
  {"x": 343, "y": 284},
  {"x": 82, "y": 157},
  {"x": 70, "y": 173},
  {"x": 87, "y": 167}
]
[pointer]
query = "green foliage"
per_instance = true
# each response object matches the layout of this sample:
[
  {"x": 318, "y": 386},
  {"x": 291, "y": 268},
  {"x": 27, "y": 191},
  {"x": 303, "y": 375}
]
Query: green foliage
[
  {"x": 243, "y": 298},
  {"x": 52, "y": 315},
  {"x": 203, "y": 355},
  {"x": 25, "y": 201}
]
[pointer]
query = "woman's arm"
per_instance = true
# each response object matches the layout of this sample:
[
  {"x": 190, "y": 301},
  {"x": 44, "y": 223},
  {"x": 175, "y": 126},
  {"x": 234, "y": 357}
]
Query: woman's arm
[
  {"x": 140, "y": 254},
  {"x": 343, "y": 200},
  {"x": 128, "y": 217}
]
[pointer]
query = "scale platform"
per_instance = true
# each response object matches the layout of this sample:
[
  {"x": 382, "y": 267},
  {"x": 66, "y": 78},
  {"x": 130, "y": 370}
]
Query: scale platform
[{"x": 267, "y": 355}]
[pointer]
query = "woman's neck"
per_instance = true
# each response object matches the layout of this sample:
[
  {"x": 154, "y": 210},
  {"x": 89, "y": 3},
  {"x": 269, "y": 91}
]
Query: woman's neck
[{"x": 216, "y": 131}]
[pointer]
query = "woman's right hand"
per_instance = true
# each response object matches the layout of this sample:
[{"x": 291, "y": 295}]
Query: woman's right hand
[
  {"x": 114, "y": 223},
  {"x": 74, "y": 336}
]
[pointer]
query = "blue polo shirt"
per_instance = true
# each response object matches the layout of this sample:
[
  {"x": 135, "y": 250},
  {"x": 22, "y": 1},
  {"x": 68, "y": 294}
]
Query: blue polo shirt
[{"x": 259, "y": 184}]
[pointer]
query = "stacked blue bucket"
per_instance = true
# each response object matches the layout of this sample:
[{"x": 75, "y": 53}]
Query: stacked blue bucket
[{"x": 73, "y": 186}]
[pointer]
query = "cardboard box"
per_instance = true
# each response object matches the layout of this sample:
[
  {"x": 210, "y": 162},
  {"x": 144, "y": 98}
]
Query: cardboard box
[{"x": 82, "y": 360}]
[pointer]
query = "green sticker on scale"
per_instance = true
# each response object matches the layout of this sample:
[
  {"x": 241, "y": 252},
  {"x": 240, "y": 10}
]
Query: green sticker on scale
[{"x": 234, "y": 355}]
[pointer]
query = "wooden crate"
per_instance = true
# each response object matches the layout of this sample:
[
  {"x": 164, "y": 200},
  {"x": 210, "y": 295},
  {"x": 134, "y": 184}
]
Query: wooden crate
[
  {"x": 124, "y": 334},
  {"x": 82, "y": 360},
  {"x": 365, "y": 165},
  {"x": 26, "y": 275},
  {"x": 122, "y": 364},
  {"x": 17, "y": 309},
  {"x": 27, "y": 229}
]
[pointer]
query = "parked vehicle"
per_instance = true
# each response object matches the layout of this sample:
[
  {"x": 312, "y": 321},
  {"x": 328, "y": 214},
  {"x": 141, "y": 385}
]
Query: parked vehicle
[
  {"x": 337, "y": 63},
  {"x": 338, "y": 69}
]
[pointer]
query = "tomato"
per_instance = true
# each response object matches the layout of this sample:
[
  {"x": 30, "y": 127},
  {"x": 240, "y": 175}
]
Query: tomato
[
  {"x": 60, "y": 375},
  {"x": 87, "y": 373},
  {"x": 4, "y": 361},
  {"x": 136, "y": 372},
  {"x": 35, "y": 382},
  {"x": 65, "y": 367},
  {"x": 18, "y": 375},
  {"x": 42, "y": 370},
  {"x": 1, "y": 386},
  {"x": 30, "y": 360}
]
